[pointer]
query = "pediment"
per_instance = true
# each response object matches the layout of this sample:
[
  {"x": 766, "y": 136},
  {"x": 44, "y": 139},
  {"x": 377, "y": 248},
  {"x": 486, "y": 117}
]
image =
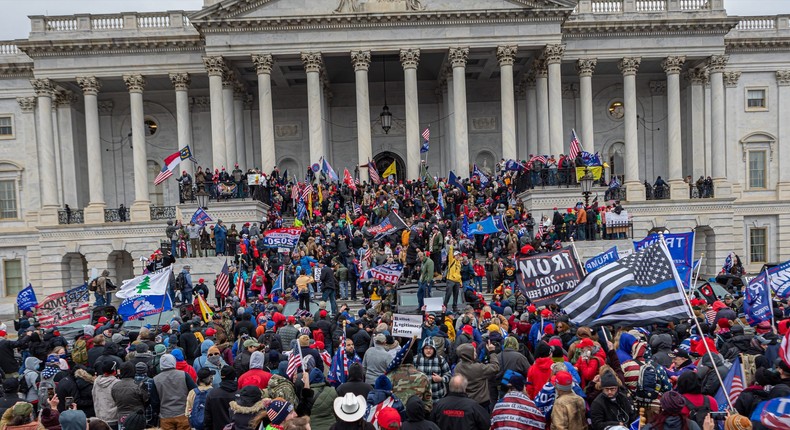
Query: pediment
[{"x": 271, "y": 9}]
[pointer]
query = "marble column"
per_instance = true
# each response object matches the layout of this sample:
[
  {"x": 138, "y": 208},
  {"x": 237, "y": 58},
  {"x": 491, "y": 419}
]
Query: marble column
[
  {"x": 141, "y": 207},
  {"x": 409, "y": 59},
  {"x": 31, "y": 175},
  {"x": 45, "y": 91},
  {"x": 734, "y": 103},
  {"x": 361, "y": 62},
  {"x": 532, "y": 115},
  {"x": 238, "y": 120},
  {"x": 677, "y": 188},
  {"x": 542, "y": 93},
  {"x": 94, "y": 213},
  {"x": 722, "y": 187},
  {"x": 585, "y": 68},
  {"x": 506, "y": 55},
  {"x": 450, "y": 122},
  {"x": 697, "y": 115},
  {"x": 228, "y": 82},
  {"x": 181, "y": 82},
  {"x": 215, "y": 66},
  {"x": 635, "y": 190},
  {"x": 313, "y": 62},
  {"x": 263, "y": 65},
  {"x": 66, "y": 155},
  {"x": 553, "y": 55},
  {"x": 783, "y": 101},
  {"x": 458, "y": 57}
]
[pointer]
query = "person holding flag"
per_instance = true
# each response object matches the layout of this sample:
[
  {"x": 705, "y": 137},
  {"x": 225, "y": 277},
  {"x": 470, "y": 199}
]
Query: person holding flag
[{"x": 344, "y": 357}]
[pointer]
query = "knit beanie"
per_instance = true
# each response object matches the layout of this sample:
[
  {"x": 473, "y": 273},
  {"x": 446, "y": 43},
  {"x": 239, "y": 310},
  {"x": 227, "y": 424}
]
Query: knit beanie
[
  {"x": 278, "y": 411},
  {"x": 672, "y": 402},
  {"x": 608, "y": 379},
  {"x": 383, "y": 383},
  {"x": 511, "y": 343},
  {"x": 542, "y": 350}
]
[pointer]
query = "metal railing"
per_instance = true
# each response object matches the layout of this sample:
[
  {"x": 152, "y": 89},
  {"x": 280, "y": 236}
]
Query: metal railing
[
  {"x": 163, "y": 212},
  {"x": 656, "y": 192},
  {"x": 116, "y": 215},
  {"x": 71, "y": 216},
  {"x": 618, "y": 230},
  {"x": 701, "y": 191}
]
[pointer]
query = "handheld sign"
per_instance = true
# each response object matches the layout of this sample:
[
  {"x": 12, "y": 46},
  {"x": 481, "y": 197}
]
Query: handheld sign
[
  {"x": 406, "y": 325},
  {"x": 544, "y": 278}
]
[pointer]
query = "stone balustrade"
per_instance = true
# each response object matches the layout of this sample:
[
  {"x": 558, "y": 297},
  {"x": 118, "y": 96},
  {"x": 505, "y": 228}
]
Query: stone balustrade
[
  {"x": 646, "y": 6},
  {"x": 764, "y": 23},
  {"x": 8, "y": 48},
  {"x": 82, "y": 23}
]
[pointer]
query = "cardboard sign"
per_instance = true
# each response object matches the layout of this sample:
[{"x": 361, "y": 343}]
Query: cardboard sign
[
  {"x": 406, "y": 325},
  {"x": 544, "y": 278},
  {"x": 434, "y": 304}
]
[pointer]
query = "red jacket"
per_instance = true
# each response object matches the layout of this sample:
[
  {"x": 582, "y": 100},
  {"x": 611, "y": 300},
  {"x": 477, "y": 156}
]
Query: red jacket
[
  {"x": 257, "y": 377},
  {"x": 538, "y": 375},
  {"x": 183, "y": 365}
]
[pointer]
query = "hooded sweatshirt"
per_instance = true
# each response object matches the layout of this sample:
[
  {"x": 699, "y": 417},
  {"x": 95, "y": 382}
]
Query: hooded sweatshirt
[
  {"x": 256, "y": 375},
  {"x": 73, "y": 420},
  {"x": 539, "y": 373},
  {"x": 415, "y": 416},
  {"x": 627, "y": 341},
  {"x": 476, "y": 373},
  {"x": 31, "y": 376},
  {"x": 203, "y": 359}
]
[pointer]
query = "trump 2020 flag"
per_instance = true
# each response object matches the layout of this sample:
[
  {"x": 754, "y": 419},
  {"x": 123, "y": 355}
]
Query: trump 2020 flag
[
  {"x": 734, "y": 381},
  {"x": 453, "y": 180},
  {"x": 150, "y": 284},
  {"x": 780, "y": 279},
  {"x": 134, "y": 308},
  {"x": 200, "y": 217},
  {"x": 757, "y": 304},
  {"x": 601, "y": 260},
  {"x": 26, "y": 299},
  {"x": 329, "y": 171},
  {"x": 480, "y": 175}
]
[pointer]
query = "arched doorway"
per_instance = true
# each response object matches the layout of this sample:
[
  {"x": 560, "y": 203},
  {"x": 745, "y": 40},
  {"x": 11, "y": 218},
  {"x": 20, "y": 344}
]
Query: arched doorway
[
  {"x": 74, "y": 269},
  {"x": 156, "y": 193},
  {"x": 290, "y": 165},
  {"x": 121, "y": 266},
  {"x": 486, "y": 162},
  {"x": 385, "y": 159},
  {"x": 616, "y": 164}
]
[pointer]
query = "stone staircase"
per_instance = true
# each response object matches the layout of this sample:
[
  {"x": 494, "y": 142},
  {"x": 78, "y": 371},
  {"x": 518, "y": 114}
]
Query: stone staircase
[{"x": 589, "y": 249}]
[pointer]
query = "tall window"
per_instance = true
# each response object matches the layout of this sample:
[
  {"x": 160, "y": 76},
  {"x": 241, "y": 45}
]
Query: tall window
[
  {"x": 12, "y": 269},
  {"x": 8, "y": 206},
  {"x": 6, "y": 126},
  {"x": 757, "y": 169},
  {"x": 756, "y": 99},
  {"x": 758, "y": 245}
]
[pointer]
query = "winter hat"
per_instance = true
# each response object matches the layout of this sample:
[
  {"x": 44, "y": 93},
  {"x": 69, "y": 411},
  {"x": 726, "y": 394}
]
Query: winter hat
[
  {"x": 228, "y": 373},
  {"x": 159, "y": 349},
  {"x": 383, "y": 383},
  {"x": 316, "y": 376},
  {"x": 737, "y": 422},
  {"x": 140, "y": 368},
  {"x": 10, "y": 385},
  {"x": 89, "y": 330},
  {"x": 177, "y": 354},
  {"x": 141, "y": 348},
  {"x": 517, "y": 382},
  {"x": 609, "y": 380},
  {"x": 248, "y": 396},
  {"x": 511, "y": 343},
  {"x": 493, "y": 328},
  {"x": 542, "y": 350},
  {"x": 563, "y": 381},
  {"x": 278, "y": 411},
  {"x": 672, "y": 402},
  {"x": 73, "y": 420},
  {"x": 723, "y": 323},
  {"x": 22, "y": 409},
  {"x": 165, "y": 328},
  {"x": 389, "y": 418}
]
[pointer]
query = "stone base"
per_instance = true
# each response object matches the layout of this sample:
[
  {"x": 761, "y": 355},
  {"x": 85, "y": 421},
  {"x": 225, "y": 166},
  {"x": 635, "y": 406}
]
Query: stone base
[
  {"x": 94, "y": 214},
  {"x": 783, "y": 191},
  {"x": 678, "y": 190},
  {"x": 634, "y": 191},
  {"x": 722, "y": 188},
  {"x": 140, "y": 211},
  {"x": 48, "y": 216}
]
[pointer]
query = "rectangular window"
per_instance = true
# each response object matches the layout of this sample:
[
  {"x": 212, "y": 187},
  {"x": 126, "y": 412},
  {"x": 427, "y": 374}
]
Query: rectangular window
[
  {"x": 757, "y": 169},
  {"x": 758, "y": 245},
  {"x": 756, "y": 99},
  {"x": 13, "y": 277},
  {"x": 8, "y": 206},
  {"x": 6, "y": 126}
]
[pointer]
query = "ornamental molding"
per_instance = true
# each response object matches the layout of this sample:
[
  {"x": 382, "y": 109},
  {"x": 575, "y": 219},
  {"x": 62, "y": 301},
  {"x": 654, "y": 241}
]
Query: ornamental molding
[
  {"x": 697, "y": 76},
  {"x": 539, "y": 68},
  {"x": 629, "y": 65},
  {"x": 585, "y": 67},
  {"x": 200, "y": 104},
  {"x": 313, "y": 61},
  {"x": 458, "y": 56},
  {"x": 774, "y": 44},
  {"x": 105, "y": 107},
  {"x": 506, "y": 54},
  {"x": 783, "y": 77},
  {"x": 553, "y": 53},
  {"x": 27, "y": 104},
  {"x": 658, "y": 88},
  {"x": 361, "y": 60},
  {"x": 113, "y": 46},
  {"x": 215, "y": 66},
  {"x": 90, "y": 85},
  {"x": 410, "y": 58},
  {"x": 758, "y": 140},
  {"x": 64, "y": 98},
  {"x": 16, "y": 70},
  {"x": 134, "y": 83},
  {"x": 43, "y": 87},
  {"x": 180, "y": 81},
  {"x": 239, "y": 91},
  {"x": 673, "y": 65},
  {"x": 731, "y": 78},
  {"x": 228, "y": 79},
  {"x": 263, "y": 63},
  {"x": 528, "y": 81},
  {"x": 633, "y": 29},
  {"x": 717, "y": 63}
]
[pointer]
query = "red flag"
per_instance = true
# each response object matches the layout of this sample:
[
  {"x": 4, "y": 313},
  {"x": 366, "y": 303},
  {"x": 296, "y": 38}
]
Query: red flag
[
  {"x": 240, "y": 290},
  {"x": 784, "y": 349},
  {"x": 223, "y": 282},
  {"x": 348, "y": 180}
]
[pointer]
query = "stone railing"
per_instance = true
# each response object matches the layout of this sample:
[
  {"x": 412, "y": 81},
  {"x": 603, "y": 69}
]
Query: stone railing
[
  {"x": 110, "y": 22},
  {"x": 646, "y": 6},
  {"x": 8, "y": 48},
  {"x": 750, "y": 23}
]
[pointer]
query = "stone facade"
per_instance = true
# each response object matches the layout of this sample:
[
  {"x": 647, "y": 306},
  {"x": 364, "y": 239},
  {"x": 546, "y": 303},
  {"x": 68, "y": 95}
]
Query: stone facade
[{"x": 671, "y": 88}]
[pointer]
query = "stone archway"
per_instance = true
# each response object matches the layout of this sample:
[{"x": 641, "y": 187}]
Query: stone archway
[
  {"x": 486, "y": 162},
  {"x": 121, "y": 266},
  {"x": 74, "y": 269},
  {"x": 385, "y": 159},
  {"x": 615, "y": 157}
]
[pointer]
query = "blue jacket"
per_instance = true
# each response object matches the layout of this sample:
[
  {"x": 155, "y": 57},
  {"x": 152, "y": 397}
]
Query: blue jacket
[{"x": 304, "y": 263}]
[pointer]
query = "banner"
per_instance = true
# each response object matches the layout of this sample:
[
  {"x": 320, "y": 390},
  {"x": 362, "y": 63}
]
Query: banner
[
  {"x": 200, "y": 217},
  {"x": 490, "y": 225},
  {"x": 134, "y": 308},
  {"x": 680, "y": 246},
  {"x": 544, "y": 278},
  {"x": 26, "y": 299},
  {"x": 282, "y": 237},
  {"x": 389, "y": 273},
  {"x": 61, "y": 309},
  {"x": 406, "y": 325},
  {"x": 391, "y": 224},
  {"x": 615, "y": 219},
  {"x": 254, "y": 179},
  {"x": 601, "y": 260},
  {"x": 226, "y": 188},
  {"x": 150, "y": 284},
  {"x": 757, "y": 304},
  {"x": 596, "y": 171},
  {"x": 780, "y": 279}
]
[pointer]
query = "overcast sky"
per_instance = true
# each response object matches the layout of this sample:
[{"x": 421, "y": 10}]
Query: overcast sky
[{"x": 14, "y": 23}]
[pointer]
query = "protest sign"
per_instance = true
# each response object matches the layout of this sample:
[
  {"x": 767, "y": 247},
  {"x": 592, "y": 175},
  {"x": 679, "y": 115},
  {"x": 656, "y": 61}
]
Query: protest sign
[
  {"x": 282, "y": 237},
  {"x": 601, "y": 260},
  {"x": 406, "y": 325},
  {"x": 389, "y": 273},
  {"x": 64, "y": 308},
  {"x": 434, "y": 304},
  {"x": 544, "y": 278}
]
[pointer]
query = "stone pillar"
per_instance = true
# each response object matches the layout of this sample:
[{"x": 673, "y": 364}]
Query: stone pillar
[
  {"x": 215, "y": 66},
  {"x": 409, "y": 59},
  {"x": 66, "y": 151},
  {"x": 553, "y": 54},
  {"x": 677, "y": 188},
  {"x": 94, "y": 213},
  {"x": 238, "y": 120},
  {"x": 141, "y": 208},
  {"x": 507, "y": 56},
  {"x": 734, "y": 105},
  {"x": 783, "y": 81},
  {"x": 263, "y": 65},
  {"x": 722, "y": 187},
  {"x": 585, "y": 67},
  {"x": 228, "y": 82},
  {"x": 697, "y": 114},
  {"x": 635, "y": 190},
  {"x": 181, "y": 82},
  {"x": 542, "y": 92},
  {"x": 361, "y": 62},
  {"x": 28, "y": 107},
  {"x": 449, "y": 124},
  {"x": 313, "y": 62},
  {"x": 458, "y": 57},
  {"x": 532, "y": 115},
  {"x": 45, "y": 91}
]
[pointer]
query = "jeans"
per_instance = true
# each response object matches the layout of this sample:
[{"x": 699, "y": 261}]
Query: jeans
[
  {"x": 479, "y": 283},
  {"x": 344, "y": 290},
  {"x": 580, "y": 230},
  {"x": 173, "y": 247},
  {"x": 100, "y": 300},
  {"x": 304, "y": 301},
  {"x": 329, "y": 296},
  {"x": 489, "y": 282},
  {"x": 421, "y": 290},
  {"x": 195, "y": 245},
  {"x": 452, "y": 289},
  {"x": 186, "y": 295}
]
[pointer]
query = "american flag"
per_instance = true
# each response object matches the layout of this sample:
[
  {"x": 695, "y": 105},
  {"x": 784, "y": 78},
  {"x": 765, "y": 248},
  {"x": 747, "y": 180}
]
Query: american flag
[
  {"x": 576, "y": 146},
  {"x": 426, "y": 134},
  {"x": 338, "y": 371},
  {"x": 294, "y": 361},
  {"x": 357, "y": 210},
  {"x": 368, "y": 254},
  {"x": 541, "y": 158},
  {"x": 223, "y": 281},
  {"x": 162, "y": 176},
  {"x": 308, "y": 189},
  {"x": 733, "y": 380},
  {"x": 240, "y": 289},
  {"x": 295, "y": 191},
  {"x": 541, "y": 231},
  {"x": 373, "y": 173},
  {"x": 399, "y": 356}
]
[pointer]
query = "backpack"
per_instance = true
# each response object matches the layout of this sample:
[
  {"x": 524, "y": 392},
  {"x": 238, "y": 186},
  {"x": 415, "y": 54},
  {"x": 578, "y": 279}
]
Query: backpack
[
  {"x": 648, "y": 386},
  {"x": 698, "y": 413},
  {"x": 198, "y": 412},
  {"x": 79, "y": 353},
  {"x": 93, "y": 284},
  {"x": 181, "y": 281},
  {"x": 24, "y": 388},
  {"x": 281, "y": 387}
]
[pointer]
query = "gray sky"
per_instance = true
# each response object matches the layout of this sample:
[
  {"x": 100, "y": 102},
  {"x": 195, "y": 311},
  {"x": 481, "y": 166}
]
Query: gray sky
[{"x": 15, "y": 25}]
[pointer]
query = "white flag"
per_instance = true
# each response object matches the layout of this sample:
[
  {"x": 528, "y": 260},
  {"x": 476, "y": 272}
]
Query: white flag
[{"x": 151, "y": 284}]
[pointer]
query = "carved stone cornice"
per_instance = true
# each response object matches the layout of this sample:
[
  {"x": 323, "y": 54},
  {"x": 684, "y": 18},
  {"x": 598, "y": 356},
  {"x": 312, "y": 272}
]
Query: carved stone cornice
[
  {"x": 717, "y": 63},
  {"x": 313, "y": 61},
  {"x": 360, "y": 60},
  {"x": 90, "y": 85},
  {"x": 658, "y": 88},
  {"x": 215, "y": 66},
  {"x": 200, "y": 104},
  {"x": 697, "y": 76},
  {"x": 105, "y": 107},
  {"x": 570, "y": 91},
  {"x": 410, "y": 58},
  {"x": 27, "y": 104},
  {"x": 783, "y": 77},
  {"x": 528, "y": 81},
  {"x": 134, "y": 83},
  {"x": 629, "y": 65},
  {"x": 43, "y": 87},
  {"x": 112, "y": 46},
  {"x": 731, "y": 78},
  {"x": 180, "y": 81},
  {"x": 506, "y": 54},
  {"x": 636, "y": 28},
  {"x": 16, "y": 70},
  {"x": 773, "y": 44},
  {"x": 248, "y": 101},
  {"x": 263, "y": 63},
  {"x": 458, "y": 56},
  {"x": 673, "y": 65},
  {"x": 239, "y": 91},
  {"x": 228, "y": 79},
  {"x": 553, "y": 53},
  {"x": 586, "y": 66},
  {"x": 64, "y": 98},
  {"x": 539, "y": 67}
]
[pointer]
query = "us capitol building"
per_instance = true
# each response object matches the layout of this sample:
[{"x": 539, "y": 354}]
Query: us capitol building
[{"x": 91, "y": 104}]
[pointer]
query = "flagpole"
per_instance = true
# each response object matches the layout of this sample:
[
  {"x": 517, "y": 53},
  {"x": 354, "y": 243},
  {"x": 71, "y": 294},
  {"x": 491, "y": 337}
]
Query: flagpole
[
  {"x": 702, "y": 335},
  {"x": 699, "y": 269},
  {"x": 301, "y": 357},
  {"x": 576, "y": 254},
  {"x": 770, "y": 300}
]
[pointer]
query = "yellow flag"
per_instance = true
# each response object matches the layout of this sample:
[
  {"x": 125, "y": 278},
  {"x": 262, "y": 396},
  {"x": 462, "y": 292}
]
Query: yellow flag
[
  {"x": 391, "y": 170},
  {"x": 205, "y": 310},
  {"x": 297, "y": 223},
  {"x": 348, "y": 219},
  {"x": 320, "y": 194}
]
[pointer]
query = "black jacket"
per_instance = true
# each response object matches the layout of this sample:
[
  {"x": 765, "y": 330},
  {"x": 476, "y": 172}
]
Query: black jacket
[
  {"x": 605, "y": 412},
  {"x": 93, "y": 354},
  {"x": 217, "y": 413},
  {"x": 458, "y": 412},
  {"x": 359, "y": 388},
  {"x": 8, "y": 401},
  {"x": 414, "y": 416},
  {"x": 191, "y": 346},
  {"x": 8, "y": 362}
]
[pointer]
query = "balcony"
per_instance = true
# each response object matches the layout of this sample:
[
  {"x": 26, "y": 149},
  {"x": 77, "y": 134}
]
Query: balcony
[
  {"x": 599, "y": 7},
  {"x": 71, "y": 216},
  {"x": 110, "y": 25}
]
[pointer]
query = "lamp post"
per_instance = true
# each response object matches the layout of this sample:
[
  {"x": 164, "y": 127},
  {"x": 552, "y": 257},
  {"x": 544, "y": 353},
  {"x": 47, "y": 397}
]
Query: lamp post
[
  {"x": 385, "y": 117},
  {"x": 202, "y": 198},
  {"x": 586, "y": 183}
]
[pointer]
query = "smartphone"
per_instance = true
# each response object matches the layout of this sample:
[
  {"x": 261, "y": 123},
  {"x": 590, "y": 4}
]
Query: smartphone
[
  {"x": 718, "y": 416},
  {"x": 69, "y": 402}
]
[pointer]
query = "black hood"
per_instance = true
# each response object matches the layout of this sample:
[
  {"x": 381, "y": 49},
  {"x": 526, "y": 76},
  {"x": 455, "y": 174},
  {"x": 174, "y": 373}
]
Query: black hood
[{"x": 415, "y": 409}]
